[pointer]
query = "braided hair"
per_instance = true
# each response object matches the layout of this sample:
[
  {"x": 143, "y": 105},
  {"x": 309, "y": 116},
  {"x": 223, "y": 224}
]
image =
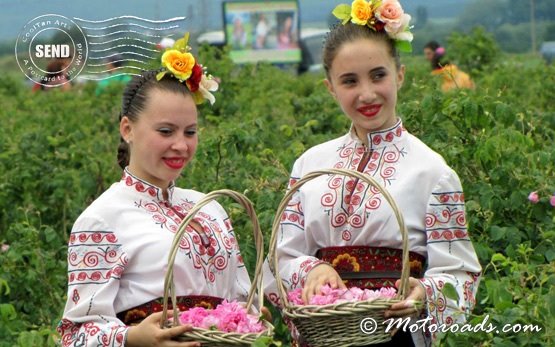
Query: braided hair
[{"x": 134, "y": 100}]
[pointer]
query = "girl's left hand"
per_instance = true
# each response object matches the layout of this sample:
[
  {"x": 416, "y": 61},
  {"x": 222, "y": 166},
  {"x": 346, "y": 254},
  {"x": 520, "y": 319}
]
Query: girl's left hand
[{"x": 407, "y": 307}]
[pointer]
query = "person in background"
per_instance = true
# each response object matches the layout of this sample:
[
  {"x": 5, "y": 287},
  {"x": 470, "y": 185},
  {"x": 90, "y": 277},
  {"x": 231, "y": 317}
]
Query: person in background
[
  {"x": 261, "y": 32},
  {"x": 286, "y": 37},
  {"x": 115, "y": 74},
  {"x": 55, "y": 77},
  {"x": 239, "y": 34},
  {"x": 451, "y": 76}
]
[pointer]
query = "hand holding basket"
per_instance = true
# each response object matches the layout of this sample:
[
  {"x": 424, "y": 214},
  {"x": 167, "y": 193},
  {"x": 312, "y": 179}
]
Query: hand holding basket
[
  {"x": 339, "y": 324},
  {"x": 216, "y": 337}
]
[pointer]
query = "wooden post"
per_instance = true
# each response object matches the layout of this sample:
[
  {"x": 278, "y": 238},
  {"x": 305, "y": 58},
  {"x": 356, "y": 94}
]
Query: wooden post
[{"x": 533, "y": 25}]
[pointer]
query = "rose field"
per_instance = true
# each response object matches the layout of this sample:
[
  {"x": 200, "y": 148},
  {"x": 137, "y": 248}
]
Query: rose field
[{"x": 58, "y": 152}]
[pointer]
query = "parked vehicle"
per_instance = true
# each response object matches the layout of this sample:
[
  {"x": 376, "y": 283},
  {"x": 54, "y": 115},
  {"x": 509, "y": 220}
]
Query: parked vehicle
[{"x": 547, "y": 50}]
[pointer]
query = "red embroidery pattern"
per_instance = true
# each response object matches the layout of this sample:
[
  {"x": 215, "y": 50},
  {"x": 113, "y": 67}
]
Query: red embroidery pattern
[
  {"x": 209, "y": 250},
  {"x": 388, "y": 136},
  {"x": 298, "y": 278},
  {"x": 469, "y": 289},
  {"x": 139, "y": 186},
  {"x": 436, "y": 301},
  {"x": 94, "y": 257},
  {"x": 445, "y": 219},
  {"x": 95, "y": 237},
  {"x": 349, "y": 260},
  {"x": 348, "y": 201},
  {"x": 78, "y": 335},
  {"x": 75, "y": 297},
  {"x": 293, "y": 214}
]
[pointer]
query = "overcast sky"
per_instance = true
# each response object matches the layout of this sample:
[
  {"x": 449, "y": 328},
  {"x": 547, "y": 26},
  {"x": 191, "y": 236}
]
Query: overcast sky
[{"x": 203, "y": 14}]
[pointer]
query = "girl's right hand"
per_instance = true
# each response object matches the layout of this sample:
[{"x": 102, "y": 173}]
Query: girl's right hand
[
  {"x": 149, "y": 334},
  {"x": 319, "y": 276}
]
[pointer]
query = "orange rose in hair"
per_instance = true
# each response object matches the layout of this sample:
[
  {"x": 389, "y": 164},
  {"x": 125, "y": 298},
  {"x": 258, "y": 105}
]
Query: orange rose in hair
[
  {"x": 361, "y": 12},
  {"x": 178, "y": 63}
]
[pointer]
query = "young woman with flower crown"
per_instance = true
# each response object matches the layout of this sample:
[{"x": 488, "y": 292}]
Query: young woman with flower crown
[
  {"x": 340, "y": 232},
  {"x": 119, "y": 245}
]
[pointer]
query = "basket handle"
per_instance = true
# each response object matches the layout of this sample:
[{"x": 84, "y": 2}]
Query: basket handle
[
  {"x": 273, "y": 259},
  {"x": 256, "y": 285}
]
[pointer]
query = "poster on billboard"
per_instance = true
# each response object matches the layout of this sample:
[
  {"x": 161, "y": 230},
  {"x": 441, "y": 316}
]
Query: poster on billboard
[{"x": 262, "y": 30}]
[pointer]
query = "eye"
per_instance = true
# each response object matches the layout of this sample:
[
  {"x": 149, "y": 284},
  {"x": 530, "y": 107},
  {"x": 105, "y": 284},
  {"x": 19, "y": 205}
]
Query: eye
[
  {"x": 378, "y": 75},
  {"x": 349, "y": 81},
  {"x": 191, "y": 132},
  {"x": 165, "y": 131}
]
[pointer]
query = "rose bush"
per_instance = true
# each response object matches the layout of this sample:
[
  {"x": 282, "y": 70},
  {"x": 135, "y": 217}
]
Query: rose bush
[{"x": 498, "y": 139}]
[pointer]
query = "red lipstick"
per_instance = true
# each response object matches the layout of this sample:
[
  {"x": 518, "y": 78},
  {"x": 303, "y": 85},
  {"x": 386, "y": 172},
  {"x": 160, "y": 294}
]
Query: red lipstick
[
  {"x": 175, "y": 163},
  {"x": 369, "y": 110}
]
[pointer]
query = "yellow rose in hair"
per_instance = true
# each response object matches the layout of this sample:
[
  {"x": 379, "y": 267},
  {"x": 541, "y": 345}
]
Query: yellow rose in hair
[
  {"x": 361, "y": 12},
  {"x": 178, "y": 63}
]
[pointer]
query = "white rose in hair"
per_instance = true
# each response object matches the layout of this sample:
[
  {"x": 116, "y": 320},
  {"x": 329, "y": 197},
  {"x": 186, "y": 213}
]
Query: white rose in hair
[{"x": 399, "y": 31}]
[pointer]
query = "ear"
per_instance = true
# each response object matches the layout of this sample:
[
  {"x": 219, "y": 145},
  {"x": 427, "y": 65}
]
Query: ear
[
  {"x": 400, "y": 76},
  {"x": 330, "y": 87},
  {"x": 126, "y": 129}
]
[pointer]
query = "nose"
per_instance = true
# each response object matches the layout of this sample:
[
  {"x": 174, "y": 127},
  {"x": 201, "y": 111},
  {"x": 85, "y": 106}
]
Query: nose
[
  {"x": 181, "y": 144},
  {"x": 367, "y": 93}
]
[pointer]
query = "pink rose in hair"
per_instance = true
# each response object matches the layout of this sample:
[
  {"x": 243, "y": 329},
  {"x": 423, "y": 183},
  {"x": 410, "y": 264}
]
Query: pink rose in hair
[
  {"x": 440, "y": 51},
  {"x": 390, "y": 12}
]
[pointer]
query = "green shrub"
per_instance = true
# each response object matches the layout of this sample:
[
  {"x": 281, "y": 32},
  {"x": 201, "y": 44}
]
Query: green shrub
[
  {"x": 57, "y": 153},
  {"x": 475, "y": 51}
]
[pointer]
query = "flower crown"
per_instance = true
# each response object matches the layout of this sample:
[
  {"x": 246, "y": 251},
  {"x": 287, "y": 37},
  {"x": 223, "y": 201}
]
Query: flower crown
[
  {"x": 379, "y": 15},
  {"x": 178, "y": 62}
]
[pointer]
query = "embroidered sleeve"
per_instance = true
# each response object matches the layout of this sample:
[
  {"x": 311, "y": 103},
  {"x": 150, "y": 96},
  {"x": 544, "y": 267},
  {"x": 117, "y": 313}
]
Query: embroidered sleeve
[
  {"x": 96, "y": 262},
  {"x": 292, "y": 247},
  {"x": 451, "y": 256}
]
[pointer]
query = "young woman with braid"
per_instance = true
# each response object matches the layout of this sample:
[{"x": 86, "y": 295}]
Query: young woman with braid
[{"x": 119, "y": 245}]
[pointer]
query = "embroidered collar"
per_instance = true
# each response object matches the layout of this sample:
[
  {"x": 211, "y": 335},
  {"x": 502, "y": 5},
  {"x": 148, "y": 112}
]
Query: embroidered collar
[
  {"x": 382, "y": 138},
  {"x": 144, "y": 187}
]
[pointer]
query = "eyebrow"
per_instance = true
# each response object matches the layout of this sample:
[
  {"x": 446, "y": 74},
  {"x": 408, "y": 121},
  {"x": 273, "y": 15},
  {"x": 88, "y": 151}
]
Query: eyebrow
[
  {"x": 173, "y": 125},
  {"x": 352, "y": 74}
]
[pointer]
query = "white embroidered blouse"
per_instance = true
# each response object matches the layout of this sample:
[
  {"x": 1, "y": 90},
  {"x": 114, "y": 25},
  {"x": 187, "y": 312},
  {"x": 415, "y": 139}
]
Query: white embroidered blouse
[
  {"x": 330, "y": 211},
  {"x": 118, "y": 253}
]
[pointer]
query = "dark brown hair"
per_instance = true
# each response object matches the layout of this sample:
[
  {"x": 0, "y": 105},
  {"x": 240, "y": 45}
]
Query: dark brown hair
[
  {"x": 438, "y": 60},
  {"x": 134, "y": 100},
  {"x": 350, "y": 32}
]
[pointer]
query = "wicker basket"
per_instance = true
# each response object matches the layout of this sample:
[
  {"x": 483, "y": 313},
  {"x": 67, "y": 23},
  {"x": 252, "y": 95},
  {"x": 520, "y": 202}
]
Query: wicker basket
[
  {"x": 339, "y": 324},
  {"x": 215, "y": 337}
]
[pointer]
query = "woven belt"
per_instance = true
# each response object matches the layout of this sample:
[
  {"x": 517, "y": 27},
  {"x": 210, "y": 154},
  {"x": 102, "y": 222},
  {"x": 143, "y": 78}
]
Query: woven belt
[
  {"x": 370, "y": 267},
  {"x": 136, "y": 314}
]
